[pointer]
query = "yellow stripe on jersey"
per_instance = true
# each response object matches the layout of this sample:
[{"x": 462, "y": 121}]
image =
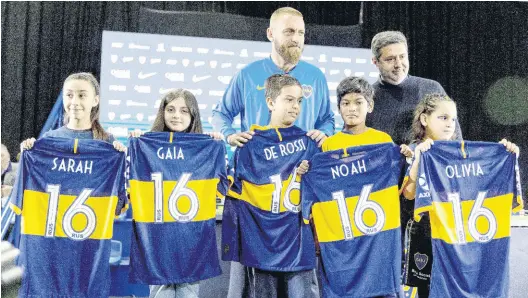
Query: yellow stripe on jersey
[
  {"x": 171, "y": 136},
  {"x": 279, "y": 134},
  {"x": 261, "y": 196},
  {"x": 142, "y": 199},
  {"x": 266, "y": 127},
  {"x": 75, "y": 145},
  {"x": 343, "y": 140},
  {"x": 462, "y": 148},
  {"x": 327, "y": 218},
  {"x": 443, "y": 219},
  {"x": 35, "y": 214},
  {"x": 345, "y": 153},
  {"x": 15, "y": 209}
]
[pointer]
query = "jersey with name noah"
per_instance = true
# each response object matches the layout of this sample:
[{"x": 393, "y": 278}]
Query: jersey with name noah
[
  {"x": 68, "y": 194},
  {"x": 352, "y": 195},
  {"x": 469, "y": 190},
  {"x": 175, "y": 179},
  {"x": 267, "y": 186}
]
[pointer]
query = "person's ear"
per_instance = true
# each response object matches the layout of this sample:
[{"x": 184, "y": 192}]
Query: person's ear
[
  {"x": 269, "y": 34},
  {"x": 96, "y": 101},
  {"x": 270, "y": 103},
  {"x": 423, "y": 119}
]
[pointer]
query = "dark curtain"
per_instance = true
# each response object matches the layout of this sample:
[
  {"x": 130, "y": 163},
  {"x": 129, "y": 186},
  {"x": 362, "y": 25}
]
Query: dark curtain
[{"x": 43, "y": 42}]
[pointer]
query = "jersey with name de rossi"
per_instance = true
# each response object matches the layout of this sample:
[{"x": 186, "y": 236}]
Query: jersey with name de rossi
[
  {"x": 175, "y": 179},
  {"x": 268, "y": 188},
  {"x": 352, "y": 196},
  {"x": 469, "y": 190},
  {"x": 68, "y": 193}
]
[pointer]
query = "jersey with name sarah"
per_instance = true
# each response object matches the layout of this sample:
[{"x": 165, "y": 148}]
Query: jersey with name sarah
[
  {"x": 352, "y": 196},
  {"x": 174, "y": 181},
  {"x": 69, "y": 192},
  {"x": 272, "y": 236},
  {"x": 469, "y": 190}
]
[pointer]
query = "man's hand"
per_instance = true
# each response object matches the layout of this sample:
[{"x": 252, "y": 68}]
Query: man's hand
[
  {"x": 239, "y": 139},
  {"x": 317, "y": 136}
]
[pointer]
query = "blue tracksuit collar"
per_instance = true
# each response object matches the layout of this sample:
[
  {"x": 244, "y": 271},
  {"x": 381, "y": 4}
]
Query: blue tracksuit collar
[{"x": 274, "y": 68}]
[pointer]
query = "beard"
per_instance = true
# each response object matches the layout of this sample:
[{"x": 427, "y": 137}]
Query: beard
[
  {"x": 289, "y": 53},
  {"x": 394, "y": 78}
]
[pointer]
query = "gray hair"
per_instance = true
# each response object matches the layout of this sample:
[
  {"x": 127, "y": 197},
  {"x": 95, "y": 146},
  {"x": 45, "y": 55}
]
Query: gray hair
[{"x": 384, "y": 39}]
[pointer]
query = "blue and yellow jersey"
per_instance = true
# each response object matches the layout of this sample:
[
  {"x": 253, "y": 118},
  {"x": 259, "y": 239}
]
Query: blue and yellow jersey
[
  {"x": 272, "y": 236},
  {"x": 68, "y": 194},
  {"x": 352, "y": 196},
  {"x": 230, "y": 241},
  {"x": 344, "y": 139},
  {"x": 175, "y": 179},
  {"x": 469, "y": 190}
]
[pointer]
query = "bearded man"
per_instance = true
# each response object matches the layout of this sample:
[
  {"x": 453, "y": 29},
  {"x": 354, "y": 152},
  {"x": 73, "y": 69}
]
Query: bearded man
[
  {"x": 245, "y": 94},
  {"x": 245, "y": 97}
]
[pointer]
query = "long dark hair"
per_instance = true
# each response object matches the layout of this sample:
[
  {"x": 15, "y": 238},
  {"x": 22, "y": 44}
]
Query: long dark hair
[
  {"x": 98, "y": 131},
  {"x": 427, "y": 106},
  {"x": 192, "y": 104}
]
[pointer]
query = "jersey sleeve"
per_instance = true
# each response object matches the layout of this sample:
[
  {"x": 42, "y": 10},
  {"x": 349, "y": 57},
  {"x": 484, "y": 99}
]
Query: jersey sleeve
[
  {"x": 223, "y": 184},
  {"x": 518, "y": 203},
  {"x": 121, "y": 186},
  {"x": 325, "y": 121},
  {"x": 307, "y": 197},
  {"x": 17, "y": 193},
  {"x": 407, "y": 170},
  {"x": 235, "y": 185},
  {"x": 423, "y": 201},
  {"x": 229, "y": 106}
]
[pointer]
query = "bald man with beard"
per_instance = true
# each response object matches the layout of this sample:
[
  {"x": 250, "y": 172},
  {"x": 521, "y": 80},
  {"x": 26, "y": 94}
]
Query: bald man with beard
[{"x": 245, "y": 97}]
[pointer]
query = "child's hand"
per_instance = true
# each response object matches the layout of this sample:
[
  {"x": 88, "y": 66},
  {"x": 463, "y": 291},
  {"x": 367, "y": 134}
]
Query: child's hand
[
  {"x": 303, "y": 167},
  {"x": 27, "y": 144},
  {"x": 317, "y": 136},
  {"x": 510, "y": 147},
  {"x": 406, "y": 150},
  {"x": 215, "y": 135},
  {"x": 136, "y": 133},
  {"x": 424, "y": 146},
  {"x": 119, "y": 146}
]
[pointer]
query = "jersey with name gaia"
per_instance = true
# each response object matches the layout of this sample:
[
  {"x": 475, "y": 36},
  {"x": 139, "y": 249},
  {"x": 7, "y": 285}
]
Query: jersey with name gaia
[
  {"x": 69, "y": 193},
  {"x": 352, "y": 195},
  {"x": 174, "y": 181},
  {"x": 469, "y": 190},
  {"x": 272, "y": 236}
]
